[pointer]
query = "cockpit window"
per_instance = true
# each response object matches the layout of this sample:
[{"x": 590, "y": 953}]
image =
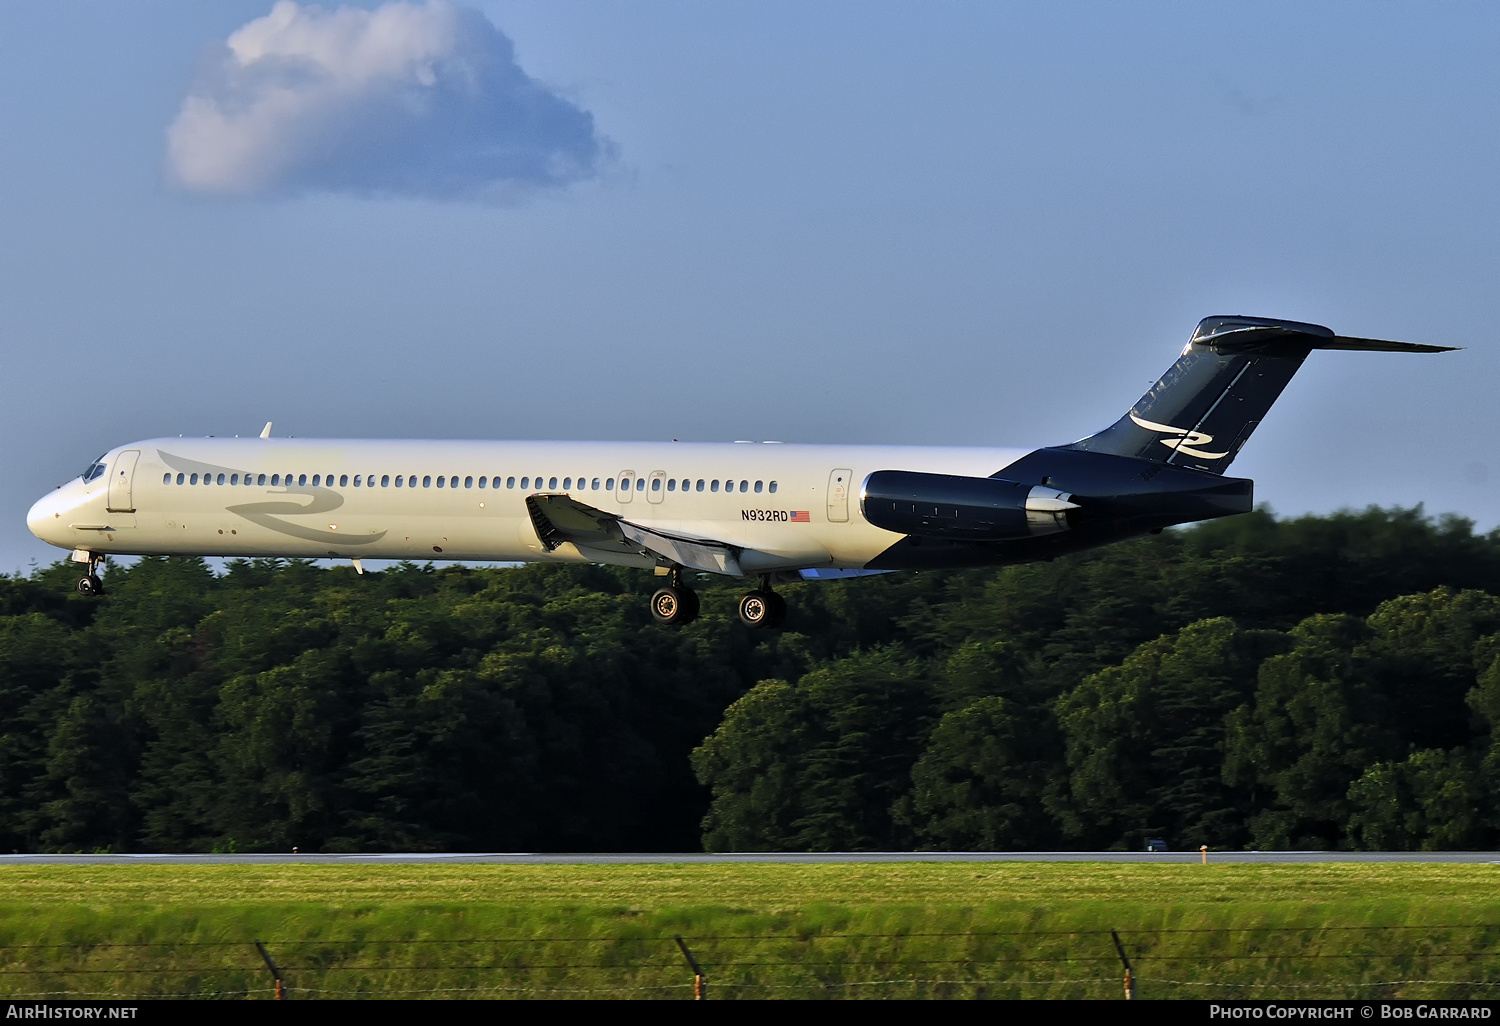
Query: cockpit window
[{"x": 96, "y": 470}]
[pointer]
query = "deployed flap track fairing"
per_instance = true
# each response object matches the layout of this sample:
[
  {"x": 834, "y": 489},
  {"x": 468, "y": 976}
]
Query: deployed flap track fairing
[{"x": 1160, "y": 464}]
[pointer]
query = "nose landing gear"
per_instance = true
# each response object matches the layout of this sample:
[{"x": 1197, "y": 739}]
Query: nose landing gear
[{"x": 89, "y": 585}]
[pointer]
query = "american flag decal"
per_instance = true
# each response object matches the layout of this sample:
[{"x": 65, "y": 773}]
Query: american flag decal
[{"x": 799, "y": 516}]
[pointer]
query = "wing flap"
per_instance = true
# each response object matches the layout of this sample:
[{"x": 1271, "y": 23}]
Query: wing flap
[
  {"x": 708, "y": 556},
  {"x": 559, "y": 519}
]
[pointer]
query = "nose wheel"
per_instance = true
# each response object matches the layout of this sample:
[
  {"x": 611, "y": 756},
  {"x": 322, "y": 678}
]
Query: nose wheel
[
  {"x": 676, "y": 604},
  {"x": 89, "y": 585}
]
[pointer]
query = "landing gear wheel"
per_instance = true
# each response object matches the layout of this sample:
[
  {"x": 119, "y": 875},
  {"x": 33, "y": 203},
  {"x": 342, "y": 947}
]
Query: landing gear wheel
[
  {"x": 90, "y": 586},
  {"x": 674, "y": 605},
  {"x": 778, "y": 609},
  {"x": 762, "y": 610}
]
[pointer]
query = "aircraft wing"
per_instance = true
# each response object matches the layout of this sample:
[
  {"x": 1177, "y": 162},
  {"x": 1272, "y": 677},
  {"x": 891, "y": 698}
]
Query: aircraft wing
[{"x": 559, "y": 519}]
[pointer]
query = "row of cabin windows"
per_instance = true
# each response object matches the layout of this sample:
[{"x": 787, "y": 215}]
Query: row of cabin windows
[{"x": 344, "y": 481}]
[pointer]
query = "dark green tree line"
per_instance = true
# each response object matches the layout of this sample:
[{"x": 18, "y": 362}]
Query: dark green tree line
[{"x": 1321, "y": 680}]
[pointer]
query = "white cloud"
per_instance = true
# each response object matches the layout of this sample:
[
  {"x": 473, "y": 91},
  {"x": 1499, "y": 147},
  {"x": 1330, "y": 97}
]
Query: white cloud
[{"x": 407, "y": 99}]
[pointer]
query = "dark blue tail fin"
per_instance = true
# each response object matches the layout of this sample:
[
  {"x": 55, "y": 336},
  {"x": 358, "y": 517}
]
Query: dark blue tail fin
[{"x": 1204, "y": 408}]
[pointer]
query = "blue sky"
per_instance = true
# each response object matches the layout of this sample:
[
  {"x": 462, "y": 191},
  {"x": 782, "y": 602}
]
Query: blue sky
[{"x": 963, "y": 223}]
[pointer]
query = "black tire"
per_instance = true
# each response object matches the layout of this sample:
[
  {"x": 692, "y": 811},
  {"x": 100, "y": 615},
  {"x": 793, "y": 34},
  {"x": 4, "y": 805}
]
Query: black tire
[
  {"x": 778, "y": 609},
  {"x": 674, "y": 606},
  {"x": 90, "y": 586},
  {"x": 758, "y": 610}
]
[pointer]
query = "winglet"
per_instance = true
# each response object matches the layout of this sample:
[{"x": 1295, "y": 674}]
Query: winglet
[{"x": 265, "y": 432}]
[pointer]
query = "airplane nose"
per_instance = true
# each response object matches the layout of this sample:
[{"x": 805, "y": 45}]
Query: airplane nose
[{"x": 46, "y": 519}]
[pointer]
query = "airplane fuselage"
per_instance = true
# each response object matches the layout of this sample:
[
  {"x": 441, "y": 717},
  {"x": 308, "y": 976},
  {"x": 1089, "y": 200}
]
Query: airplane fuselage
[{"x": 787, "y": 507}]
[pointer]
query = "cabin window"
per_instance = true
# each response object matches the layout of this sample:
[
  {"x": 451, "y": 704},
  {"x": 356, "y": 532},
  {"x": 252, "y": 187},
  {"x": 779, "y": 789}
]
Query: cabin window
[
  {"x": 773, "y": 487},
  {"x": 526, "y": 483},
  {"x": 510, "y": 482},
  {"x": 640, "y": 484},
  {"x": 757, "y": 488},
  {"x": 744, "y": 486},
  {"x": 594, "y": 485},
  {"x": 567, "y": 484},
  {"x": 344, "y": 480},
  {"x": 193, "y": 479},
  {"x": 609, "y": 484},
  {"x": 713, "y": 485},
  {"x": 672, "y": 485},
  {"x": 234, "y": 479},
  {"x": 166, "y": 478},
  {"x": 400, "y": 481},
  {"x": 552, "y": 483},
  {"x": 181, "y": 478},
  {"x": 440, "y": 482},
  {"x": 469, "y": 482},
  {"x": 385, "y": 480},
  {"x": 316, "y": 479}
]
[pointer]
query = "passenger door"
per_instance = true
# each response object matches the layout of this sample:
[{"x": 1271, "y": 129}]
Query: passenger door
[{"x": 121, "y": 494}]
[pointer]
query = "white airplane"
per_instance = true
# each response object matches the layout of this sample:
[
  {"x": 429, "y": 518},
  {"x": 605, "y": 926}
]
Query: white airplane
[{"x": 770, "y": 511}]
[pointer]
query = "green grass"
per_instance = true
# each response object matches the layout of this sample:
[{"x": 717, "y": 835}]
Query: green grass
[{"x": 885, "y": 930}]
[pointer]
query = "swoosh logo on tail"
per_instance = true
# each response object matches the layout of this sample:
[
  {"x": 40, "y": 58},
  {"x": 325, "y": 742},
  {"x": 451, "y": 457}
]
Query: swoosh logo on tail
[{"x": 1184, "y": 440}]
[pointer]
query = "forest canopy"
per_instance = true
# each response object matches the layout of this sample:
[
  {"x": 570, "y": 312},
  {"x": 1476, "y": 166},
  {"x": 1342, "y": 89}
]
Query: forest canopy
[{"x": 1323, "y": 682}]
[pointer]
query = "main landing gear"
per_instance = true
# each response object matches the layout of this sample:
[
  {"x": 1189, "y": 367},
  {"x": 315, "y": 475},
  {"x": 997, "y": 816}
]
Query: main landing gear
[
  {"x": 763, "y": 609},
  {"x": 90, "y": 585},
  {"x": 676, "y": 604}
]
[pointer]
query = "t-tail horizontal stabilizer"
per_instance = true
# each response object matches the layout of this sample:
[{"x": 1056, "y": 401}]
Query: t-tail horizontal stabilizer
[{"x": 1206, "y": 405}]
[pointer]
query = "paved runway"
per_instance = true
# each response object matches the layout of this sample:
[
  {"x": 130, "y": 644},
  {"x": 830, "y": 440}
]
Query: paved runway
[{"x": 586, "y": 859}]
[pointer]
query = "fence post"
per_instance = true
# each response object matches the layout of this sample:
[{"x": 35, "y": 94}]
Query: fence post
[
  {"x": 1129, "y": 979},
  {"x": 275, "y": 972},
  {"x": 700, "y": 982}
]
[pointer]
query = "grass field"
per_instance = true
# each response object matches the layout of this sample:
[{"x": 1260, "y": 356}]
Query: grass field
[{"x": 1406, "y": 930}]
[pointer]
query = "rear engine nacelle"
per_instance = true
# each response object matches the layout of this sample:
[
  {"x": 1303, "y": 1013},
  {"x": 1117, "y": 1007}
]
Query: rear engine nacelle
[{"x": 968, "y": 508}]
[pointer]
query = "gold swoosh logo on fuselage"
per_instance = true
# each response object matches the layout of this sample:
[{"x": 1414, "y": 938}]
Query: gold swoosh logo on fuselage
[{"x": 267, "y": 514}]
